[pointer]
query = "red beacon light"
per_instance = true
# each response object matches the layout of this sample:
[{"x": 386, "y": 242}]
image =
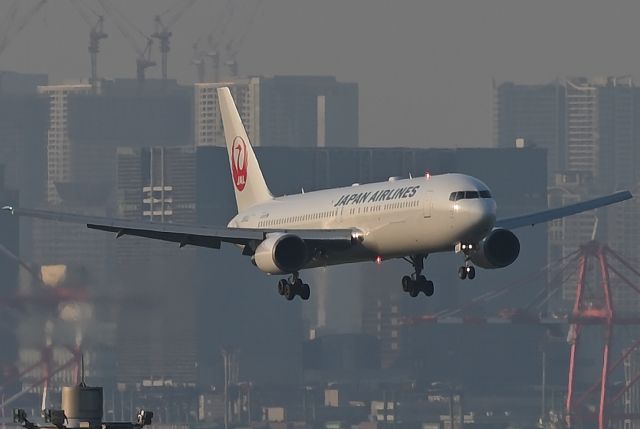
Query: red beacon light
[
  {"x": 378, "y": 260},
  {"x": 427, "y": 175}
]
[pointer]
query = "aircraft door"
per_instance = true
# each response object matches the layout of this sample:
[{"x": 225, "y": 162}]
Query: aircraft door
[{"x": 427, "y": 204}]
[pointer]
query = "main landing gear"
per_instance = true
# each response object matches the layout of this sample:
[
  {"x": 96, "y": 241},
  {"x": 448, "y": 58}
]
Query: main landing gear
[
  {"x": 293, "y": 286},
  {"x": 467, "y": 271},
  {"x": 417, "y": 283}
]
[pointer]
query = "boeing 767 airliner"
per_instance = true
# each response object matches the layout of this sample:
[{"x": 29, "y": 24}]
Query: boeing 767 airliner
[{"x": 406, "y": 219}]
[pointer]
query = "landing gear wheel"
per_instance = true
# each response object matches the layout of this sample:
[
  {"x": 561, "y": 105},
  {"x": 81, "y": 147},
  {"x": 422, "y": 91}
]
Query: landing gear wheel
[
  {"x": 305, "y": 292},
  {"x": 289, "y": 292},
  {"x": 462, "y": 273},
  {"x": 415, "y": 290},
  {"x": 282, "y": 284},
  {"x": 428, "y": 288},
  {"x": 406, "y": 283},
  {"x": 471, "y": 272},
  {"x": 420, "y": 284}
]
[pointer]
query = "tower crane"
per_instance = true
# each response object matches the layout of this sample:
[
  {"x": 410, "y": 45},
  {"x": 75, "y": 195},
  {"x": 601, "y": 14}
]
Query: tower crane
[
  {"x": 221, "y": 20},
  {"x": 95, "y": 36},
  {"x": 233, "y": 44},
  {"x": 198, "y": 61},
  {"x": 143, "y": 59},
  {"x": 163, "y": 32},
  {"x": 16, "y": 25}
]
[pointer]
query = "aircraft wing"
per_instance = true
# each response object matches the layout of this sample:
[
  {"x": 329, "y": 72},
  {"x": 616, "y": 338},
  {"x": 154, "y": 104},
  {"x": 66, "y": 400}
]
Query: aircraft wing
[
  {"x": 192, "y": 235},
  {"x": 560, "y": 212}
]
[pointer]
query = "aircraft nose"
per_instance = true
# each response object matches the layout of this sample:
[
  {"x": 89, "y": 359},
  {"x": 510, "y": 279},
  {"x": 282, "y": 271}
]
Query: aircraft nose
[{"x": 481, "y": 215}]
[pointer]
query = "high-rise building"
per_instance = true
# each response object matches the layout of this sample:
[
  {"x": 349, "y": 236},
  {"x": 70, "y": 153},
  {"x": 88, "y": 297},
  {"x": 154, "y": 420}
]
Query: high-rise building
[
  {"x": 24, "y": 119},
  {"x": 58, "y": 142},
  {"x": 157, "y": 343},
  {"x": 535, "y": 114},
  {"x": 9, "y": 231},
  {"x": 14, "y": 83},
  {"x": 301, "y": 111}
]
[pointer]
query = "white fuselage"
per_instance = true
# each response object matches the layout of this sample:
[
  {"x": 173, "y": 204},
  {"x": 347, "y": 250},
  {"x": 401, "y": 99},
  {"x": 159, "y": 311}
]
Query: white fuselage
[{"x": 394, "y": 218}]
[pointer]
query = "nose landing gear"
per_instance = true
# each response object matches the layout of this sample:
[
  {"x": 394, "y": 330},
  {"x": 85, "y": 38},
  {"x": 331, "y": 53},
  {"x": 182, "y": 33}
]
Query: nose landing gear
[
  {"x": 290, "y": 288},
  {"x": 467, "y": 271},
  {"x": 417, "y": 283}
]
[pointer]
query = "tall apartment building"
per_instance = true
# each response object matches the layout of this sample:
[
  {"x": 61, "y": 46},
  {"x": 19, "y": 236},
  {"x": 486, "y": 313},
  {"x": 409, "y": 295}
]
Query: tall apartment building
[
  {"x": 302, "y": 111},
  {"x": 156, "y": 343},
  {"x": 24, "y": 121},
  {"x": 14, "y": 83},
  {"x": 58, "y": 141},
  {"x": 9, "y": 231},
  {"x": 536, "y": 114}
]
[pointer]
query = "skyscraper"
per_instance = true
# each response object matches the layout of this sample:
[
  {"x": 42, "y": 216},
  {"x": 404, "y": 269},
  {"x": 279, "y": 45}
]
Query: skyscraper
[{"x": 536, "y": 114}]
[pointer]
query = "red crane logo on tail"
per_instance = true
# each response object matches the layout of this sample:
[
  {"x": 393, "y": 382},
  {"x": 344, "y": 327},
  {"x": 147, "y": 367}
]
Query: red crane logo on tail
[{"x": 239, "y": 163}]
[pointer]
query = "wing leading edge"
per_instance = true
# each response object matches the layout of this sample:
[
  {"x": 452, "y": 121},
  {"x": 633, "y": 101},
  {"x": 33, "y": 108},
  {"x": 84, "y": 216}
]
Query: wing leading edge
[
  {"x": 560, "y": 212},
  {"x": 192, "y": 235}
]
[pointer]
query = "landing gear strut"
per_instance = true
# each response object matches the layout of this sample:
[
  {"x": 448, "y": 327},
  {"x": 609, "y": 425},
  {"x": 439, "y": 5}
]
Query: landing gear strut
[
  {"x": 417, "y": 283},
  {"x": 467, "y": 271},
  {"x": 293, "y": 286}
]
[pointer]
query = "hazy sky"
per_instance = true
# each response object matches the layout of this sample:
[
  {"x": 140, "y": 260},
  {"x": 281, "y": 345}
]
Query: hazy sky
[{"x": 424, "y": 67}]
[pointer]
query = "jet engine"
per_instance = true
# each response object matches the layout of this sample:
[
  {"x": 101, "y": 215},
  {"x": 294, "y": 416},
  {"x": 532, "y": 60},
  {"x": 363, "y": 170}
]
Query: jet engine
[
  {"x": 497, "y": 250},
  {"x": 281, "y": 253}
]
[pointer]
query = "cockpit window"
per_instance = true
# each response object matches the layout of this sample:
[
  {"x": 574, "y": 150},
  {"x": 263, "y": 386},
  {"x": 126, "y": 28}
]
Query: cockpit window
[
  {"x": 455, "y": 196},
  {"x": 469, "y": 195}
]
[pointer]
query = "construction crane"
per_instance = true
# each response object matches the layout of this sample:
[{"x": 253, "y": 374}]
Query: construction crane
[
  {"x": 220, "y": 21},
  {"x": 95, "y": 36},
  {"x": 143, "y": 58},
  {"x": 198, "y": 61},
  {"x": 163, "y": 29},
  {"x": 233, "y": 45},
  {"x": 15, "y": 24}
]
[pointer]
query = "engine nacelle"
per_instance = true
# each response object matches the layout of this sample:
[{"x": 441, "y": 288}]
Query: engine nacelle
[
  {"x": 281, "y": 253},
  {"x": 497, "y": 250}
]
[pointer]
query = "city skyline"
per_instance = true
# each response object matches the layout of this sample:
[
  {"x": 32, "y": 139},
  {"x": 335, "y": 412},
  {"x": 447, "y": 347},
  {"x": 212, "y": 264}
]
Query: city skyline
[{"x": 424, "y": 70}]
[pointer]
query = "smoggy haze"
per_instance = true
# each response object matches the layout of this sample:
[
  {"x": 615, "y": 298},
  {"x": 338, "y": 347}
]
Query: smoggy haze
[{"x": 424, "y": 68}]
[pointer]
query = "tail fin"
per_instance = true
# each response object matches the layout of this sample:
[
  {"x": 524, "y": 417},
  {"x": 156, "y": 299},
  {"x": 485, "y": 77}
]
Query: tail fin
[{"x": 248, "y": 183}]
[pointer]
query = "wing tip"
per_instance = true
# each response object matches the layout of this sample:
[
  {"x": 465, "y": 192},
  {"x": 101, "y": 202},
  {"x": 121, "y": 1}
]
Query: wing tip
[{"x": 9, "y": 209}]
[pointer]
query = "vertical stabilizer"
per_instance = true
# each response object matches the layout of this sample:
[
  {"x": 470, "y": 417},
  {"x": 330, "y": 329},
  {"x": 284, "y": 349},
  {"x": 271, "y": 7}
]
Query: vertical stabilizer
[{"x": 248, "y": 182}]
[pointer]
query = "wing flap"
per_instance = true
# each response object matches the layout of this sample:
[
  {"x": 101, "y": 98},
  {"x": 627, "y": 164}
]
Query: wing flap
[{"x": 560, "y": 212}]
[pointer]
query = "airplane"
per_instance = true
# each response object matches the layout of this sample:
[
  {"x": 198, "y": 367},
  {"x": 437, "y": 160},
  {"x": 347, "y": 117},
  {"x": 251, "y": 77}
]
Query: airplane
[{"x": 404, "y": 218}]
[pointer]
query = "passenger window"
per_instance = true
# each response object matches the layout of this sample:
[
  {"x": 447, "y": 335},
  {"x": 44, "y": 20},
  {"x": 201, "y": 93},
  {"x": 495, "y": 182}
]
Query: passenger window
[{"x": 470, "y": 195}]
